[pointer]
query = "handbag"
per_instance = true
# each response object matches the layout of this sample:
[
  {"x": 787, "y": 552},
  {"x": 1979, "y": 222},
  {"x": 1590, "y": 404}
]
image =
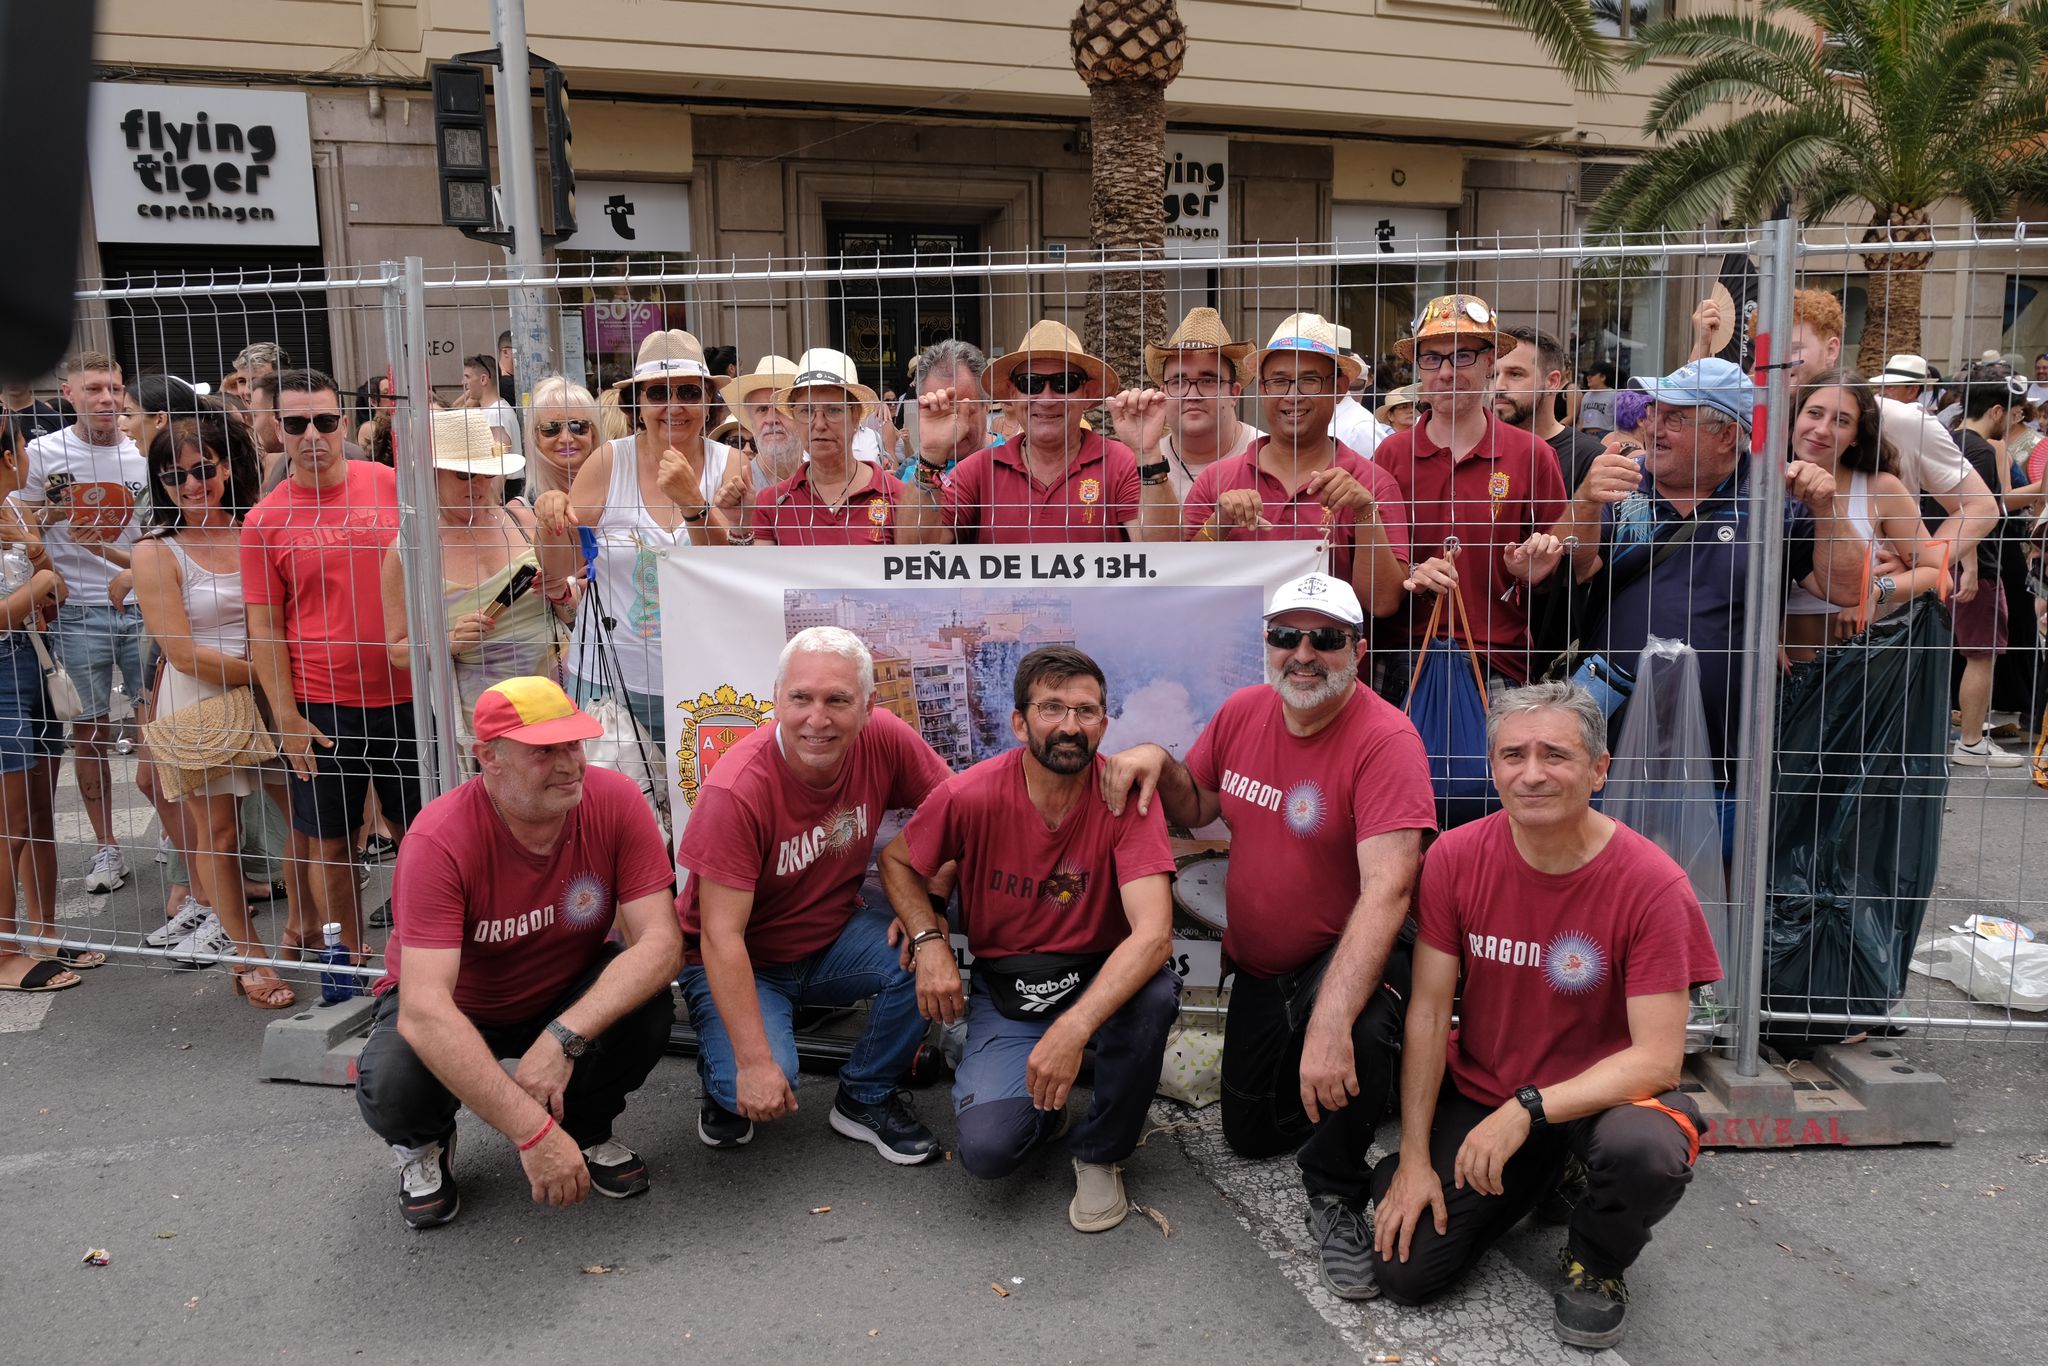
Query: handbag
[
  {"x": 1450, "y": 715},
  {"x": 214, "y": 736},
  {"x": 66, "y": 702}
]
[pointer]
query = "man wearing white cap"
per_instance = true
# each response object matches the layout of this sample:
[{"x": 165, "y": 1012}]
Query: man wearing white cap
[
  {"x": 833, "y": 498},
  {"x": 1903, "y": 377},
  {"x": 1326, "y": 789},
  {"x": 1190, "y": 421}
]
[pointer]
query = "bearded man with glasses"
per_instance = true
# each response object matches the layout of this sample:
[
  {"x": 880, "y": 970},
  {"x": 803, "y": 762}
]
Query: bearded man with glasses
[{"x": 1326, "y": 791}]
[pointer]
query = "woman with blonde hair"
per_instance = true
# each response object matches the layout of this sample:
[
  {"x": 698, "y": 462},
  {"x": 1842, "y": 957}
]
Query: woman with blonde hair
[{"x": 563, "y": 427}]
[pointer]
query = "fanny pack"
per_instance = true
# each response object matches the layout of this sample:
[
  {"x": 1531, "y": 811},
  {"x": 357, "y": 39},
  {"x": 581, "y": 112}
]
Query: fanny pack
[{"x": 1037, "y": 986}]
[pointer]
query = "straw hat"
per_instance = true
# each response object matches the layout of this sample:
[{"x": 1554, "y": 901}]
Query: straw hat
[
  {"x": 767, "y": 373},
  {"x": 673, "y": 354},
  {"x": 1454, "y": 315},
  {"x": 1407, "y": 394},
  {"x": 820, "y": 367},
  {"x": 1298, "y": 334},
  {"x": 1200, "y": 330},
  {"x": 463, "y": 442},
  {"x": 1047, "y": 340}
]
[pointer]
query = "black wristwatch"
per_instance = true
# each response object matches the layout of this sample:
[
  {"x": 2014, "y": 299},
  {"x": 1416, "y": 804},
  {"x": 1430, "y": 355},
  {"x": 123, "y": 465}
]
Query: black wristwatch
[
  {"x": 1532, "y": 1101},
  {"x": 1156, "y": 473},
  {"x": 573, "y": 1044}
]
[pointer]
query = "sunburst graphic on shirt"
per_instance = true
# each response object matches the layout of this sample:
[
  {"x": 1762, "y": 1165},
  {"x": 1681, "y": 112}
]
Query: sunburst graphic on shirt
[
  {"x": 1304, "y": 808},
  {"x": 585, "y": 899},
  {"x": 841, "y": 828},
  {"x": 1574, "y": 963},
  {"x": 1063, "y": 887}
]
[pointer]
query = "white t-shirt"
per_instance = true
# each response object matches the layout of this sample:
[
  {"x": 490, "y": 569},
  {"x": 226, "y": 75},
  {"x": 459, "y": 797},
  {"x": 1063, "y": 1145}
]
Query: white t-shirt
[
  {"x": 503, "y": 417},
  {"x": 102, "y": 484},
  {"x": 1182, "y": 477},
  {"x": 1928, "y": 459},
  {"x": 1355, "y": 426}
]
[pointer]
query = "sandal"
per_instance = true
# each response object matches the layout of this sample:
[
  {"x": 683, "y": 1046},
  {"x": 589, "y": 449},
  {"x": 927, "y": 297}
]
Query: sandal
[
  {"x": 43, "y": 975},
  {"x": 79, "y": 960},
  {"x": 292, "y": 945},
  {"x": 265, "y": 992},
  {"x": 273, "y": 891}
]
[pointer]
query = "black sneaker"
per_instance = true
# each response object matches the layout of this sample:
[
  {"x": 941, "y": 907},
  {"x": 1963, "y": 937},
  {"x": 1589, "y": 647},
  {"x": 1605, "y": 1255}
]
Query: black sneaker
[
  {"x": 719, "y": 1127},
  {"x": 1556, "y": 1206},
  {"x": 1591, "y": 1310},
  {"x": 427, "y": 1193},
  {"x": 1344, "y": 1246},
  {"x": 888, "y": 1124},
  {"x": 615, "y": 1169}
]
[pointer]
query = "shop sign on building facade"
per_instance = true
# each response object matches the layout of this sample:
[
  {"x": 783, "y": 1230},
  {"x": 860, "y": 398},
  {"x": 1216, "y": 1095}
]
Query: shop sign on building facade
[
  {"x": 201, "y": 165},
  {"x": 630, "y": 215},
  {"x": 1197, "y": 194}
]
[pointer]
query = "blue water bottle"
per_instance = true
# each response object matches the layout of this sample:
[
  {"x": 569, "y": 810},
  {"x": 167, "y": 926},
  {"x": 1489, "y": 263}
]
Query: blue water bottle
[{"x": 336, "y": 987}]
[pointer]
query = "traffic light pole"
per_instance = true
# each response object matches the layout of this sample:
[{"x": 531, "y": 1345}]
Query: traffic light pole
[{"x": 532, "y": 354}]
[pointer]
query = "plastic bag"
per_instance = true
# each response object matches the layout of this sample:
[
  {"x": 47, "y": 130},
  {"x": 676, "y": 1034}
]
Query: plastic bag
[
  {"x": 1193, "y": 1070},
  {"x": 1999, "y": 972},
  {"x": 1447, "y": 705},
  {"x": 1661, "y": 784},
  {"x": 1862, "y": 771}
]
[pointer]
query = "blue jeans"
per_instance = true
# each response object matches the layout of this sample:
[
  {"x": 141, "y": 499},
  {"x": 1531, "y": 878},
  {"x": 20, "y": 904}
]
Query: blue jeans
[{"x": 858, "y": 965}]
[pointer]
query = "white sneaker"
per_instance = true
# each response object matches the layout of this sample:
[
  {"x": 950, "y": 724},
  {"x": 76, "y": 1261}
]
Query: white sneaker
[
  {"x": 163, "y": 848},
  {"x": 190, "y": 917},
  {"x": 205, "y": 945},
  {"x": 1984, "y": 754},
  {"x": 109, "y": 870}
]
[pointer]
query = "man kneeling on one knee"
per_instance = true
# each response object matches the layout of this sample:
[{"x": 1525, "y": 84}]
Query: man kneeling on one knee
[
  {"x": 506, "y": 890},
  {"x": 1069, "y": 914},
  {"x": 1577, "y": 942}
]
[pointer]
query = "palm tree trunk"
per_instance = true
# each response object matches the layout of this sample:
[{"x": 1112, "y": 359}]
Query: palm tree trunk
[
  {"x": 1127, "y": 216},
  {"x": 1891, "y": 316}
]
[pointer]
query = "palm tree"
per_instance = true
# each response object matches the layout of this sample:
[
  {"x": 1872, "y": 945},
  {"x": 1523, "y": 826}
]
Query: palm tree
[{"x": 1892, "y": 104}]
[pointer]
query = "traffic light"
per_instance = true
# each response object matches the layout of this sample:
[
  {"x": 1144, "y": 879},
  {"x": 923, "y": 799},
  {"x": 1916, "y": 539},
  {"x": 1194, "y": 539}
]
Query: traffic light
[
  {"x": 462, "y": 145},
  {"x": 561, "y": 167}
]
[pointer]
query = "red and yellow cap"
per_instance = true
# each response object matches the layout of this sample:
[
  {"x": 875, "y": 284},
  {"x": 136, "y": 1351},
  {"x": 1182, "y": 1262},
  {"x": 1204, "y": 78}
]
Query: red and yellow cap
[{"x": 533, "y": 711}]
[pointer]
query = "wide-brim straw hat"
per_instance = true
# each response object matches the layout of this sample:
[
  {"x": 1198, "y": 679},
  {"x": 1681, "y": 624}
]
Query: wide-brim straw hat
[
  {"x": 766, "y": 374},
  {"x": 1201, "y": 330},
  {"x": 1047, "y": 340},
  {"x": 1455, "y": 315},
  {"x": 673, "y": 354},
  {"x": 1410, "y": 394},
  {"x": 820, "y": 366},
  {"x": 1304, "y": 334},
  {"x": 462, "y": 442}
]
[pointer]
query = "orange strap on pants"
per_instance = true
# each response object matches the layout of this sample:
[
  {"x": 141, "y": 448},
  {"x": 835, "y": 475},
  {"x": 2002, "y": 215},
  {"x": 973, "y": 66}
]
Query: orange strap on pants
[{"x": 1684, "y": 1123}]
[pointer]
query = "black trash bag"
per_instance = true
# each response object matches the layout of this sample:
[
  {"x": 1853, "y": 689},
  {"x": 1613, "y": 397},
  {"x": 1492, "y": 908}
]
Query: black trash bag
[{"x": 1862, "y": 772}]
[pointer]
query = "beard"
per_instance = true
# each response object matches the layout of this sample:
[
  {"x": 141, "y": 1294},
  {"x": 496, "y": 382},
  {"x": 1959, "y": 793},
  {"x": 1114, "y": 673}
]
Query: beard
[
  {"x": 1327, "y": 686},
  {"x": 1063, "y": 754},
  {"x": 1512, "y": 411}
]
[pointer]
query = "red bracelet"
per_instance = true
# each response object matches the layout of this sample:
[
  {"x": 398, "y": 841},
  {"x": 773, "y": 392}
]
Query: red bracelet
[{"x": 545, "y": 1126}]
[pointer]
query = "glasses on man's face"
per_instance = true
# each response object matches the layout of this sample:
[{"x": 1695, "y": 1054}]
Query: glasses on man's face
[
  {"x": 1052, "y": 713},
  {"x": 203, "y": 471},
  {"x": 807, "y": 413},
  {"x": 324, "y": 423},
  {"x": 1666, "y": 419},
  {"x": 677, "y": 393},
  {"x": 1309, "y": 384},
  {"x": 1464, "y": 358},
  {"x": 1202, "y": 386},
  {"x": 550, "y": 430},
  {"x": 1322, "y": 639},
  {"x": 1031, "y": 383}
]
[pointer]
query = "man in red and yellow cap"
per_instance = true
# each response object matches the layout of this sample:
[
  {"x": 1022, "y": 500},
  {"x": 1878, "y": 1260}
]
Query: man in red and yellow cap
[{"x": 506, "y": 891}]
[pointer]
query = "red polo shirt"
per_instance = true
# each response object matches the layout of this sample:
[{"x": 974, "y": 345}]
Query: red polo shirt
[
  {"x": 992, "y": 499},
  {"x": 1298, "y": 517},
  {"x": 1505, "y": 491},
  {"x": 792, "y": 513}
]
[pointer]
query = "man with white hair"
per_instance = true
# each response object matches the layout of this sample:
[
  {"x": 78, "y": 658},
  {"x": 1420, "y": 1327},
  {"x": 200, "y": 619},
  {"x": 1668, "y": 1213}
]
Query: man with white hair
[{"x": 776, "y": 850}]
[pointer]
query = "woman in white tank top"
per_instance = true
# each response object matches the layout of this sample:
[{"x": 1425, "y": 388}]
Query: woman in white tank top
[{"x": 644, "y": 496}]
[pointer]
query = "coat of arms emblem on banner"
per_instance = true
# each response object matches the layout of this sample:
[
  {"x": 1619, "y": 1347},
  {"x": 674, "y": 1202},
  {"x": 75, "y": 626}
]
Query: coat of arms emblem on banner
[{"x": 713, "y": 724}]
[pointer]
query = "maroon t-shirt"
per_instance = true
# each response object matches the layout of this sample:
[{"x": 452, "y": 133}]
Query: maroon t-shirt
[
  {"x": 991, "y": 498},
  {"x": 1027, "y": 889},
  {"x": 528, "y": 925},
  {"x": 1299, "y": 517},
  {"x": 792, "y": 513},
  {"x": 801, "y": 850},
  {"x": 1548, "y": 961},
  {"x": 1298, "y": 808}
]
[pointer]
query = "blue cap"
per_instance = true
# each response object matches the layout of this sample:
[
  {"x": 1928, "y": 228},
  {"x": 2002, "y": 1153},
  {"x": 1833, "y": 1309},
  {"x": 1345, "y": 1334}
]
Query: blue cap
[{"x": 1709, "y": 383}]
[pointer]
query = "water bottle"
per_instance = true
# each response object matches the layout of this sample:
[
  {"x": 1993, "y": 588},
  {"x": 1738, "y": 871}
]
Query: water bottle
[
  {"x": 336, "y": 987},
  {"x": 15, "y": 570}
]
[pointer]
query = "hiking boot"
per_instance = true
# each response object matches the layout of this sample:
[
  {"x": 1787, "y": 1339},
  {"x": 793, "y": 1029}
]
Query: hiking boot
[
  {"x": 889, "y": 1125},
  {"x": 109, "y": 870},
  {"x": 615, "y": 1169},
  {"x": 1344, "y": 1245},
  {"x": 1556, "y": 1206},
  {"x": 1099, "y": 1202},
  {"x": 427, "y": 1194},
  {"x": 719, "y": 1127},
  {"x": 1592, "y": 1310},
  {"x": 191, "y": 915}
]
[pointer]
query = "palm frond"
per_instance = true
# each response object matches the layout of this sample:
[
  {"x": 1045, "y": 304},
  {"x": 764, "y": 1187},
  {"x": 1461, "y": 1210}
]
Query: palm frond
[{"x": 1566, "y": 32}]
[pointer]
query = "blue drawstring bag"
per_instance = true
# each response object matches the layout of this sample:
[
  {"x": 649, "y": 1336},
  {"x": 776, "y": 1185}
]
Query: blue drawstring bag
[{"x": 1447, "y": 706}]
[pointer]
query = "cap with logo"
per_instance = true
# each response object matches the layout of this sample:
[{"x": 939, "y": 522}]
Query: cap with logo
[
  {"x": 1320, "y": 593},
  {"x": 1710, "y": 383},
  {"x": 533, "y": 711}
]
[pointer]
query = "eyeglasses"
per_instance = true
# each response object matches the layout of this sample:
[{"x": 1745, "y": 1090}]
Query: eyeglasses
[
  {"x": 1673, "y": 419},
  {"x": 202, "y": 471},
  {"x": 1032, "y": 384},
  {"x": 1322, "y": 639},
  {"x": 550, "y": 430},
  {"x": 1052, "y": 713},
  {"x": 662, "y": 393},
  {"x": 1204, "y": 386},
  {"x": 1464, "y": 358},
  {"x": 1310, "y": 384},
  {"x": 468, "y": 476},
  {"x": 325, "y": 423},
  {"x": 805, "y": 412}
]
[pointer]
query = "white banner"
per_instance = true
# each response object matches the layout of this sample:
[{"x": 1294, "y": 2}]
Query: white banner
[{"x": 1175, "y": 627}]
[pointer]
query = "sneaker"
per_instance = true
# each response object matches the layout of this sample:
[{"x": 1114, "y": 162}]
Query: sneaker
[
  {"x": 615, "y": 1169},
  {"x": 888, "y": 1124},
  {"x": 163, "y": 849},
  {"x": 1984, "y": 754},
  {"x": 380, "y": 917},
  {"x": 1344, "y": 1245},
  {"x": 427, "y": 1193},
  {"x": 191, "y": 915},
  {"x": 1099, "y": 1202},
  {"x": 1556, "y": 1206},
  {"x": 205, "y": 945},
  {"x": 1591, "y": 1310},
  {"x": 379, "y": 849},
  {"x": 719, "y": 1127},
  {"x": 109, "y": 870}
]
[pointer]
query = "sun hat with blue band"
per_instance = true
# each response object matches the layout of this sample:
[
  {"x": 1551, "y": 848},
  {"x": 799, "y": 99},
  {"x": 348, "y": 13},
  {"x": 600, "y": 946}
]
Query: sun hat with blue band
[
  {"x": 1709, "y": 383},
  {"x": 1302, "y": 334}
]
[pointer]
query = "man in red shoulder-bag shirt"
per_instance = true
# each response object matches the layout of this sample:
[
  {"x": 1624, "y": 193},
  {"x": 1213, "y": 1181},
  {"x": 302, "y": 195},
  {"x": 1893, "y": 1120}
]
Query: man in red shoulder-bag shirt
[
  {"x": 1571, "y": 944},
  {"x": 506, "y": 891},
  {"x": 1068, "y": 909},
  {"x": 1326, "y": 789}
]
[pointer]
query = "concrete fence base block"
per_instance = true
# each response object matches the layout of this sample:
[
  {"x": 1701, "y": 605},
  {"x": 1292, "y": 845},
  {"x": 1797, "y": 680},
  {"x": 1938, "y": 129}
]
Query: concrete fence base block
[
  {"x": 317, "y": 1044},
  {"x": 1867, "y": 1094}
]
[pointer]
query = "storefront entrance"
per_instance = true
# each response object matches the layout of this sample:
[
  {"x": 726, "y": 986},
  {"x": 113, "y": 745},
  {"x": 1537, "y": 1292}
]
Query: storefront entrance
[{"x": 884, "y": 324}]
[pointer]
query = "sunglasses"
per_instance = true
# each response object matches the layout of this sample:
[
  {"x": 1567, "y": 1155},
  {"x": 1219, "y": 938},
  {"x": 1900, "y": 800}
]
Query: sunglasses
[
  {"x": 1323, "y": 639},
  {"x": 680, "y": 393},
  {"x": 203, "y": 471},
  {"x": 550, "y": 430},
  {"x": 1032, "y": 385},
  {"x": 296, "y": 426}
]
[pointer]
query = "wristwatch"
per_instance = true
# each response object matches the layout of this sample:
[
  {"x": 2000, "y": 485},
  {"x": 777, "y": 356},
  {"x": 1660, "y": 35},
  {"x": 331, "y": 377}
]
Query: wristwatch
[
  {"x": 1154, "y": 473},
  {"x": 1532, "y": 1101},
  {"x": 573, "y": 1044},
  {"x": 1886, "y": 585}
]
